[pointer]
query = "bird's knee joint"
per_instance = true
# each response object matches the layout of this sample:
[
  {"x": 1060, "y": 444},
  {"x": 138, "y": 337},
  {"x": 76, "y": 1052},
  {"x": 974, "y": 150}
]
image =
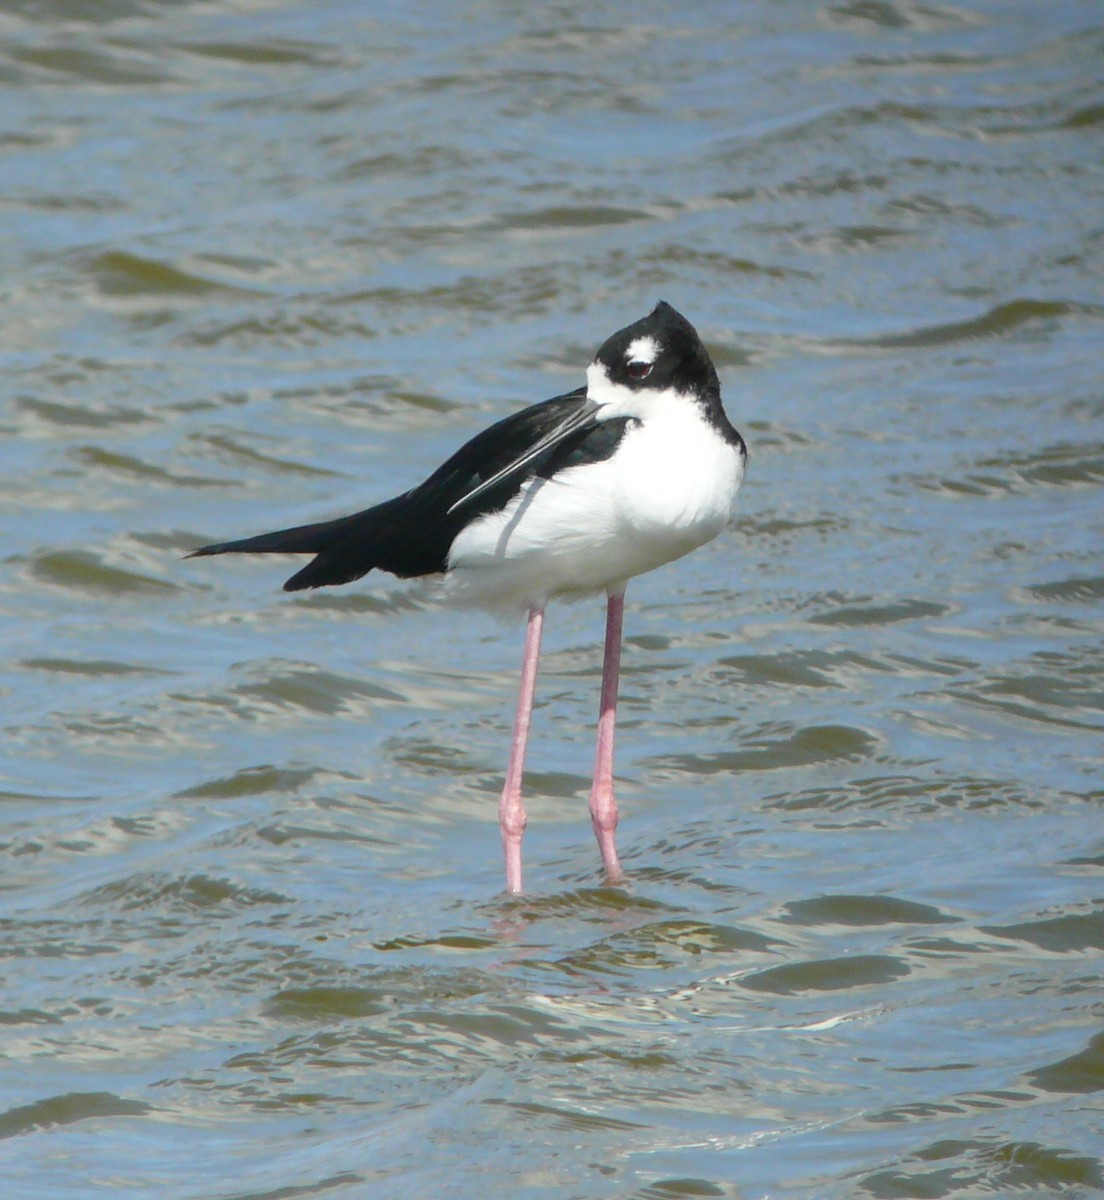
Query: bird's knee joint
[
  {"x": 604, "y": 822},
  {"x": 513, "y": 827}
]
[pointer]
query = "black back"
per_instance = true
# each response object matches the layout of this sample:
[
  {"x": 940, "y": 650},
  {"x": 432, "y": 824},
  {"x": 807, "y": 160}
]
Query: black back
[{"x": 411, "y": 534}]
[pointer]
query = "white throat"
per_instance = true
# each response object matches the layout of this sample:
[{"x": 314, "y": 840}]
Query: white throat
[{"x": 616, "y": 400}]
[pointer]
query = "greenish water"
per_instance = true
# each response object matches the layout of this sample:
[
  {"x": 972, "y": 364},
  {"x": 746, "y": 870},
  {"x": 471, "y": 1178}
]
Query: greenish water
[{"x": 264, "y": 263}]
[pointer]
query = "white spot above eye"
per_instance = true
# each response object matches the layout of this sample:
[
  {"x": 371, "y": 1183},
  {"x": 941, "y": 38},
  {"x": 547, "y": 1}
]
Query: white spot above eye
[{"x": 643, "y": 349}]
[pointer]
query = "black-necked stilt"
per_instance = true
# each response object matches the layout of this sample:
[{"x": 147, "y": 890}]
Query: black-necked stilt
[{"x": 571, "y": 497}]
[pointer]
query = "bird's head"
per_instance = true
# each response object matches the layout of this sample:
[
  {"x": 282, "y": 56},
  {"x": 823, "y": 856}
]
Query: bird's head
[{"x": 659, "y": 354}]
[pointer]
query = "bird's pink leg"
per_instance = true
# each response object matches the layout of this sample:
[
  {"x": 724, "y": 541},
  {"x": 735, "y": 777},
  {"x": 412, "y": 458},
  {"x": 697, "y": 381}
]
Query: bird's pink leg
[
  {"x": 603, "y": 806},
  {"x": 511, "y": 810}
]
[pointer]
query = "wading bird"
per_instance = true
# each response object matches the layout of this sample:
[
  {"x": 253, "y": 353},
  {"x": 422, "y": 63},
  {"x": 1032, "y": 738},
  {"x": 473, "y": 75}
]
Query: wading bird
[{"x": 571, "y": 497}]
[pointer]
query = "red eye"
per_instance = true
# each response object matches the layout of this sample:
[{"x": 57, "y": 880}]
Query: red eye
[{"x": 639, "y": 370}]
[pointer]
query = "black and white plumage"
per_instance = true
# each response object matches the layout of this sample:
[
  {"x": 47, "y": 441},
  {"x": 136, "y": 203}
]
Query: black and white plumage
[{"x": 569, "y": 497}]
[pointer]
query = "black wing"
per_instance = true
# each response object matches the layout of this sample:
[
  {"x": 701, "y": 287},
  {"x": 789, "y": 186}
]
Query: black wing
[{"x": 411, "y": 534}]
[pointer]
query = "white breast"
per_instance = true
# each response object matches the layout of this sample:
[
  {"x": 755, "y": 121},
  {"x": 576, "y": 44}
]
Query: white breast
[{"x": 669, "y": 488}]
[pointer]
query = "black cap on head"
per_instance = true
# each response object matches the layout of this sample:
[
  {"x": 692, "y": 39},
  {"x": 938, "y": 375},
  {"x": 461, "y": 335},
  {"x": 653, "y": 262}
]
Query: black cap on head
[{"x": 661, "y": 350}]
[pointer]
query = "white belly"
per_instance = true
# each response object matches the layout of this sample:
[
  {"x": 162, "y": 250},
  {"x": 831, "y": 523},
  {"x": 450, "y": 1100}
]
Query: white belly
[{"x": 669, "y": 488}]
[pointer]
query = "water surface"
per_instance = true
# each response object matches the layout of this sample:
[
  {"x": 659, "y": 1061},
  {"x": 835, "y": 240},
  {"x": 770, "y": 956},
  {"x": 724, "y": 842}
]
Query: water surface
[{"x": 264, "y": 263}]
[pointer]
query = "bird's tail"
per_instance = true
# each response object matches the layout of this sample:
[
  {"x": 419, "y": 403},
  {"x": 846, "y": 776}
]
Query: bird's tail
[{"x": 345, "y": 548}]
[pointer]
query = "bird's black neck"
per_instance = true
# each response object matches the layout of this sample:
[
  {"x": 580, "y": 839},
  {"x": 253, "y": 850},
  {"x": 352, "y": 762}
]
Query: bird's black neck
[{"x": 715, "y": 414}]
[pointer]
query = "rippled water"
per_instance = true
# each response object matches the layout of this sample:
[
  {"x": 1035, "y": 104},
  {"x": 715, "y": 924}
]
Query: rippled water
[{"x": 263, "y": 263}]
